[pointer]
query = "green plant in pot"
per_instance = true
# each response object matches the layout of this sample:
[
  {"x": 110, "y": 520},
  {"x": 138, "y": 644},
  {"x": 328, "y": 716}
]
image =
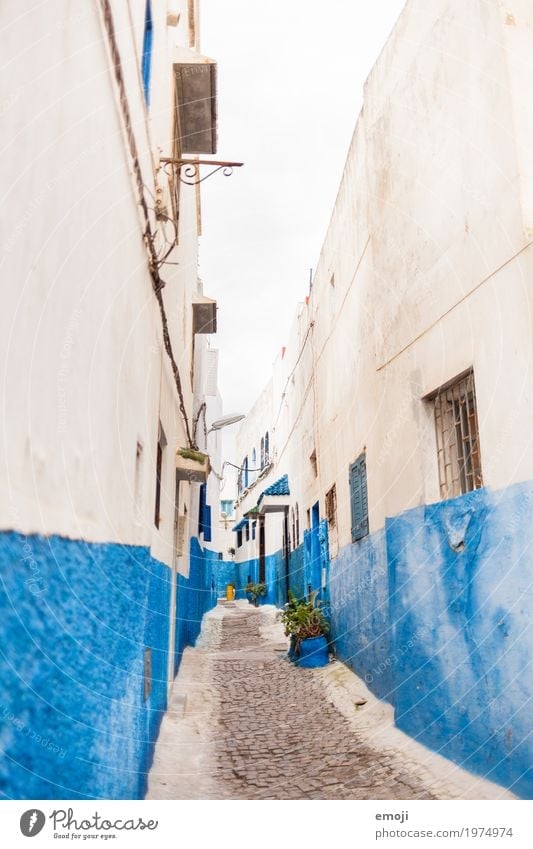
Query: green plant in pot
[
  {"x": 256, "y": 591},
  {"x": 306, "y": 624}
]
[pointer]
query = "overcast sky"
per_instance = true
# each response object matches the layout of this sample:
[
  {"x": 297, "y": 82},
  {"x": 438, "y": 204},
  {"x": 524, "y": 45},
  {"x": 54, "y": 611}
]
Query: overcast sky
[{"x": 290, "y": 81}]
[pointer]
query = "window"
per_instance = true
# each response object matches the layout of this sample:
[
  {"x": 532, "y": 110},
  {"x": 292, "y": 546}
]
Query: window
[
  {"x": 226, "y": 508},
  {"x": 267, "y": 449},
  {"x": 245, "y": 472},
  {"x": 239, "y": 539},
  {"x": 161, "y": 443},
  {"x": 312, "y": 460},
  {"x": 254, "y": 465},
  {"x": 148, "y": 38},
  {"x": 457, "y": 433},
  {"x": 254, "y": 524},
  {"x": 297, "y": 537},
  {"x": 359, "y": 498},
  {"x": 247, "y": 531},
  {"x": 331, "y": 506},
  {"x": 262, "y": 452}
]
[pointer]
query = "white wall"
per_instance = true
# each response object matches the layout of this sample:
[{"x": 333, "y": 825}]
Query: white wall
[
  {"x": 429, "y": 246},
  {"x": 84, "y": 377}
]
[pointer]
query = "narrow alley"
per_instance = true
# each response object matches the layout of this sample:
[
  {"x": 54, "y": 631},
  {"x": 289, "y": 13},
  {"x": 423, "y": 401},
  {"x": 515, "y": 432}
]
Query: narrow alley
[{"x": 245, "y": 723}]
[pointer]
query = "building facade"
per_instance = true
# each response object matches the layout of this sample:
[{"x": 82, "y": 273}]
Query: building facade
[
  {"x": 107, "y": 382},
  {"x": 398, "y": 414}
]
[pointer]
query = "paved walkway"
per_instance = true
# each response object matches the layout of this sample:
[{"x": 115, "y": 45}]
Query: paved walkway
[{"x": 244, "y": 723}]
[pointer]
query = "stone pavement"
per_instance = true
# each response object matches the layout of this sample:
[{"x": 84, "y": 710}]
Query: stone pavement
[{"x": 244, "y": 723}]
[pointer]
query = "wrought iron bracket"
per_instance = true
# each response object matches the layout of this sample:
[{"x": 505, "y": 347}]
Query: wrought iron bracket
[{"x": 188, "y": 170}]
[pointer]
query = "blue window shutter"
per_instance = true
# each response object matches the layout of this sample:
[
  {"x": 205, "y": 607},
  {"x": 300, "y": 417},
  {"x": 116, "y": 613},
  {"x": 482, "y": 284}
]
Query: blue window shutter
[
  {"x": 147, "y": 51},
  {"x": 207, "y": 523},
  {"x": 201, "y": 510},
  {"x": 359, "y": 498}
]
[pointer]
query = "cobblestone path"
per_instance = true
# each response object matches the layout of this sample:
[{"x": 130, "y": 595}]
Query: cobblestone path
[
  {"x": 245, "y": 723},
  {"x": 279, "y": 737}
]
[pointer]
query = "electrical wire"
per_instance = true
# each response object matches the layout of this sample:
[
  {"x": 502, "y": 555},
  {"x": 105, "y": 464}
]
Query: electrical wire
[
  {"x": 245, "y": 468},
  {"x": 153, "y": 260}
]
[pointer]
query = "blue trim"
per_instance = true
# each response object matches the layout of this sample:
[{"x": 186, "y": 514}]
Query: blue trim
[{"x": 148, "y": 38}]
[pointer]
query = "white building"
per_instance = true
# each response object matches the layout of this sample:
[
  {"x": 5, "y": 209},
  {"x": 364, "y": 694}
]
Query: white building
[
  {"x": 105, "y": 367},
  {"x": 400, "y": 409}
]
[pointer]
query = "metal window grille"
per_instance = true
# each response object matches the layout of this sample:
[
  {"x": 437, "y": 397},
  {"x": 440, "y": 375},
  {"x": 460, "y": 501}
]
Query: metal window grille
[
  {"x": 331, "y": 506},
  {"x": 456, "y": 427}
]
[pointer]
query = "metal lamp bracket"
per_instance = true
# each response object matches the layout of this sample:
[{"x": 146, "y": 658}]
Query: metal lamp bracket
[{"x": 188, "y": 170}]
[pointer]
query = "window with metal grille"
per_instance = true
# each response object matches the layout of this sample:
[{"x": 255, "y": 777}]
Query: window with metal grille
[
  {"x": 331, "y": 506},
  {"x": 457, "y": 433},
  {"x": 359, "y": 498}
]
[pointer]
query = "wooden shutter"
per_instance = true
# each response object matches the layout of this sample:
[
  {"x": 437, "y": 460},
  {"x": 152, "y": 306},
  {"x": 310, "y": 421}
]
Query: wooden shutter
[{"x": 359, "y": 498}]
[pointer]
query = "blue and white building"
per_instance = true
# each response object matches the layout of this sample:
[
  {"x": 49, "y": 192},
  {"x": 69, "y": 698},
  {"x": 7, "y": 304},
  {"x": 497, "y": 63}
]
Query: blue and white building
[
  {"x": 107, "y": 384},
  {"x": 399, "y": 413}
]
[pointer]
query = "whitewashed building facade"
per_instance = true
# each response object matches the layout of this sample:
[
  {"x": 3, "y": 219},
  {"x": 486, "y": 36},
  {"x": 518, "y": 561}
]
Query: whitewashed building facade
[
  {"x": 400, "y": 411},
  {"x": 104, "y": 550}
]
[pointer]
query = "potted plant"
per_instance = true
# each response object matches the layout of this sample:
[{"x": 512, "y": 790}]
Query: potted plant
[
  {"x": 256, "y": 591},
  {"x": 306, "y": 624}
]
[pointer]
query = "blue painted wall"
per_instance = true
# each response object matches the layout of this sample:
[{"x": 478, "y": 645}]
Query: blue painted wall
[
  {"x": 435, "y": 613},
  {"x": 462, "y": 607},
  {"x": 75, "y": 621},
  {"x": 274, "y": 578},
  {"x": 208, "y": 577},
  {"x": 298, "y": 583},
  {"x": 359, "y": 609}
]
